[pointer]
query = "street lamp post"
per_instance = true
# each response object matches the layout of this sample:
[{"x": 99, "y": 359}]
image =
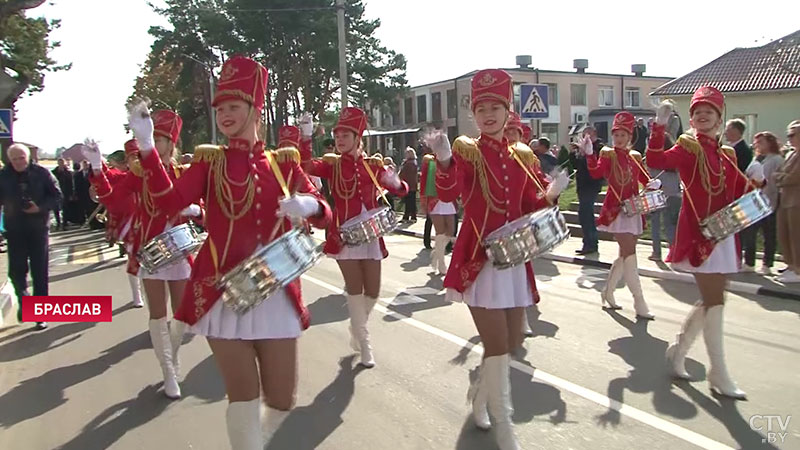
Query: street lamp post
[{"x": 342, "y": 51}]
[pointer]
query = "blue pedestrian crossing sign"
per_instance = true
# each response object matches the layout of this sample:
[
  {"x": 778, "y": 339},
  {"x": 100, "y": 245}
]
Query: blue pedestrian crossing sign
[
  {"x": 533, "y": 101},
  {"x": 5, "y": 123}
]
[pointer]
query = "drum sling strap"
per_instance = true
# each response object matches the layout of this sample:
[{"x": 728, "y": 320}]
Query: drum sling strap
[
  {"x": 374, "y": 180},
  {"x": 284, "y": 187},
  {"x": 528, "y": 173}
]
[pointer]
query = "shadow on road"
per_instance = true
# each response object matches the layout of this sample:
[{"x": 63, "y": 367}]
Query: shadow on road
[
  {"x": 204, "y": 382},
  {"x": 36, "y": 396},
  {"x": 422, "y": 259},
  {"x": 307, "y": 427},
  {"x": 117, "y": 420},
  {"x": 329, "y": 309},
  {"x": 95, "y": 267},
  {"x": 649, "y": 372}
]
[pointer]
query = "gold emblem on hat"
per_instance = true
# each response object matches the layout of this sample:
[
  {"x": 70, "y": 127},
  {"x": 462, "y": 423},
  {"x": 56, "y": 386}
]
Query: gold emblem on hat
[
  {"x": 487, "y": 80},
  {"x": 228, "y": 72}
]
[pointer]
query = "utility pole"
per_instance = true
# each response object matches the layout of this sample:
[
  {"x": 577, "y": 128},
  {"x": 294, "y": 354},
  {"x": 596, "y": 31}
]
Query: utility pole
[
  {"x": 342, "y": 51},
  {"x": 212, "y": 114}
]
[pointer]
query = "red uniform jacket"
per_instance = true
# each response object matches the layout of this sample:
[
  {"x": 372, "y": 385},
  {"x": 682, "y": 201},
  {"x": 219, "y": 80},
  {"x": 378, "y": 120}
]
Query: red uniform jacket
[
  {"x": 235, "y": 229},
  {"x": 624, "y": 171},
  {"x": 495, "y": 190},
  {"x": 128, "y": 192},
  {"x": 701, "y": 198},
  {"x": 351, "y": 186}
]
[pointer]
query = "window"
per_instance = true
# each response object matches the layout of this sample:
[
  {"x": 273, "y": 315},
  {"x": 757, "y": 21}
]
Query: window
[
  {"x": 552, "y": 94},
  {"x": 422, "y": 108},
  {"x": 452, "y": 134},
  {"x": 452, "y": 104},
  {"x": 654, "y": 100},
  {"x": 550, "y": 131},
  {"x": 605, "y": 95},
  {"x": 632, "y": 97},
  {"x": 408, "y": 110},
  {"x": 577, "y": 93},
  {"x": 517, "y": 94},
  {"x": 396, "y": 113},
  {"x": 436, "y": 104}
]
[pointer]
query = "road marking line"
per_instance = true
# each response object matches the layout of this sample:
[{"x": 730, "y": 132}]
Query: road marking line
[{"x": 626, "y": 410}]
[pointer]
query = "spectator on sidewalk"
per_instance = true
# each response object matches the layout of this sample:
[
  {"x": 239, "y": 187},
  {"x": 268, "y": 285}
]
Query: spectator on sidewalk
[
  {"x": 541, "y": 147},
  {"x": 640, "y": 135},
  {"x": 787, "y": 179},
  {"x": 734, "y": 134},
  {"x": 28, "y": 192},
  {"x": 671, "y": 186},
  {"x": 409, "y": 173},
  {"x": 770, "y": 159},
  {"x": 388, "y": 162},
  {"x": 64, "y": 178},
  {"x": 588, "y": 190}
]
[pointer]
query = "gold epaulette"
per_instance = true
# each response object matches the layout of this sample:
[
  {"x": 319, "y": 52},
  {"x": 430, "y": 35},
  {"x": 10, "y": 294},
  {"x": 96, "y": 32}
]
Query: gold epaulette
[
  {"x": 330, "y": 158},
  {"x": 525, "y": 154},
  {"x": 208, "y": 153},
  {"x": 467, "y": 148},
  {"x": 636, "y": 155},
  {"x": 729, "y": 151},
  {"x": 608, "y": 152},
  {"x": 427, "y": 158},
  {"x": 286, "y": 154},
  {"x": 375, "y": 161},
  {"x": 135, "y": 166},
  {"x": 690, "y": 143}
]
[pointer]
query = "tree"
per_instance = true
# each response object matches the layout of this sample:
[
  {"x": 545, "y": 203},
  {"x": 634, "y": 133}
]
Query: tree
[
  {"x": 24, "y": 52},
  {"x": 296, "y": 41}
]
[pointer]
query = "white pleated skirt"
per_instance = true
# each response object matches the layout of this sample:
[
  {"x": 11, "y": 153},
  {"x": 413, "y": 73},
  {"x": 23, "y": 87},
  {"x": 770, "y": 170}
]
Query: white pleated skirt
[
  {"x": 274, "y": 318},
  {"x": 496, "y": 289},
  {"x": 180, "y": 270},
  {"x": 723, "y": 259},
  {"x": 363, "y": 251},
  {"x": 443, "y": 209},
  {"x": 624, "y": 224}
]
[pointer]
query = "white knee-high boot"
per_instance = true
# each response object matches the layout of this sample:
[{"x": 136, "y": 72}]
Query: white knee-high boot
[
  {"x": 478, "y": 395},
  {"x": 499, "y": 387},
  {"x": 437, "y": 255},
  {"x": 136, "y": 292},
  {"x": 176, "y": 330},
  {"x": 718, "y": 376},
  {"x": 676, "y": 353},
  {"x": 270, "y": 423},
  {"x": 614, "y": 275},
  {"x": 244, "y": 425},
  {"x": 159, "y": 335},
  {"x": 526, "y": 326},
  {"x": 631, "y": 274},
  {"x": 358, "y": 328}
]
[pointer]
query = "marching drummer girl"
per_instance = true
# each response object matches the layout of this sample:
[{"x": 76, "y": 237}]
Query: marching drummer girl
[
  {"x": 249, "y": 192},
  {"x": 623, "y": 169},
  {"x": 357, "y": 182},
  {"x": 711, "y": 181},
  {"x": 443, "y": 214},
  {"x": 149, "y": 222},
  {"x": 493, "y": 181}
]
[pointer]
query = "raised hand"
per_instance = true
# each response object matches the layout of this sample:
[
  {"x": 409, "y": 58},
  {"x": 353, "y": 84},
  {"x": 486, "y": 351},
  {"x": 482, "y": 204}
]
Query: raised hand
[
  {"x": 306, "y": 125},
  {"x": 298, "y": 206},
  {"x": 440, "y": 144},
  {"x": 141, "y": 124},
  {"x": 91, "y": 151}
]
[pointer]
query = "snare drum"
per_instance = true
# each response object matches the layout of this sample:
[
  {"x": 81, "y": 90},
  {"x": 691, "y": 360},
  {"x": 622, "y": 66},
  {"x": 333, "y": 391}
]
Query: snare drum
[
  {"x": 170, "y": 246},
  {"x": 735, "y": 217},
  {"x": 526, "y": 238},
  {"x": 644, "y": 203},
  {"x": 268, "y": 269},
  {"x": 368, "y": 226}
]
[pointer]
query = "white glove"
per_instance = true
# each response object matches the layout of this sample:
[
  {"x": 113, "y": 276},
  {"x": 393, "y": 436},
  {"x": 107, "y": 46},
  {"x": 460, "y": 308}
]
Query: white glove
[
  {"x": 440, "y": 144},
  {"x": 587, "y": 146},
  {"x": 140, "y": 122},
  {"x": 91, "y": 151},
  {"x": 317, "y": 182},
  {"x": 559, "y": 183},
  {"x": 664, "y": 112},
  {"x": 191, "y": 211},
  {"x": 390, "y": 179},
  {"x": 298, "y": 206},
  {"x": 755, "y": 171},
  {"x": 306, "y": 125},
  {"x": 654, "y": 184}
]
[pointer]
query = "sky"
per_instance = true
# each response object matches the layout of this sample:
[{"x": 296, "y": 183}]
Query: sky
[{"x": 107, "y": 42}]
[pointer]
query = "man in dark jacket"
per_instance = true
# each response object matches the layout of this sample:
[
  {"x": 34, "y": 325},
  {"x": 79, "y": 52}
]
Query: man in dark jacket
[
  {"x": 588, "y": 190},
  {"x": 640, "y": 135},
  {"x": 734, "y": 134},
  {"x": 64, "y": 177},
  {"x": 28, "y": 192}
]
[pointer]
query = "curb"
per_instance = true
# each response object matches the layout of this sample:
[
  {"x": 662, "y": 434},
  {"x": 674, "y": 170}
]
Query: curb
[{"x": 733, "y": 286}]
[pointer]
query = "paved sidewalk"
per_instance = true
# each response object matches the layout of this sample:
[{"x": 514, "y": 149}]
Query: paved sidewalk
[{"x": 746, "y": 283}]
